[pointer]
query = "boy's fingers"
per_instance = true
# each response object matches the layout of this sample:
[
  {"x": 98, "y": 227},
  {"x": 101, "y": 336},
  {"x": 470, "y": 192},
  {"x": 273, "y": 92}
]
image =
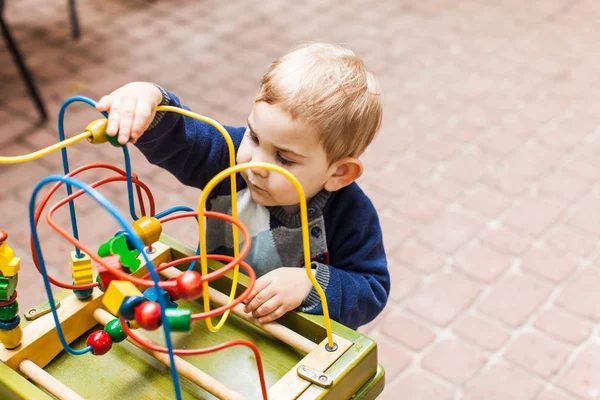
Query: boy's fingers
[
  {"x": 104, "y": 103},
  {"x": 259, "y": 295},
  {"x": 267, "y": 307},
  {"x": 144, "y": 114},
  {"x": 114, "y": 117},
  {"x": 127, "y": 116},
  {"x": 278, "y": 313}
]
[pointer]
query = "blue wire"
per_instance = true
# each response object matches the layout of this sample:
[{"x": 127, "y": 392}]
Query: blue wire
[
  {"x": 129, "y": 183},
  {"x": 174, "y": 210},
  {"x": 138, "y": 244},
  {"x": 65, "y": 161}
]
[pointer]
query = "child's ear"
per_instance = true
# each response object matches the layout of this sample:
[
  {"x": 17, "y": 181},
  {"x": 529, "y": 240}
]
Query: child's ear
[{"x": 346, "y": 171}]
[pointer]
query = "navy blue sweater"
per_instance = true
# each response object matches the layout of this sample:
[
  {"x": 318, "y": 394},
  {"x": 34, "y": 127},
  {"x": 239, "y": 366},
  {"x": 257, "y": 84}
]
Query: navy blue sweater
[{"x": 346, "y": 239}]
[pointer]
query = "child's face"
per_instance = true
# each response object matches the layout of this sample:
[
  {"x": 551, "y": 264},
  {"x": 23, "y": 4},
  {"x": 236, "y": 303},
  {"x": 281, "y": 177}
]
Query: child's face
[{"x": 273, "y": 137}]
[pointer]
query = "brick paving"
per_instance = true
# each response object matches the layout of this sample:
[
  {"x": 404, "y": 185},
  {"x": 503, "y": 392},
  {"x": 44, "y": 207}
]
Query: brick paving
[{"x": 485, "y": 171}]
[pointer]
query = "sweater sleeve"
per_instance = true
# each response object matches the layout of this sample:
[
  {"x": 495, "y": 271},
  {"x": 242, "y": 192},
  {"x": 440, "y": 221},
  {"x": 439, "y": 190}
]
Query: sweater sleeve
[
  {"x": 357, "y": 280},
  {"x": 192, "y": 150}
]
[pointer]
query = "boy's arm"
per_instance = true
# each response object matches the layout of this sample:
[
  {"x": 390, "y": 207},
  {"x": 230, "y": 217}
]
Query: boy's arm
[
  {"x": 193, "y": 151},
  {"x": 357, "y": 281}
]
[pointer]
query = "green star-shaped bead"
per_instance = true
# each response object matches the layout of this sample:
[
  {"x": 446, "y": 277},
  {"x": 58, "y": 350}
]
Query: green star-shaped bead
[{"x": 118, "y": 246}]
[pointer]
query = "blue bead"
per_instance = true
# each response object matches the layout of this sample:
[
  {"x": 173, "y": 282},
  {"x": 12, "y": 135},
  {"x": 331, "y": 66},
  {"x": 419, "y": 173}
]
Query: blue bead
[
  {"x": 151, "y": 295},
  {"x": 10, "y": 325},
  {"x": 127, "y": 309},
  {"x": 128, "y": 240},
  {"x": 83, "y": 294}
]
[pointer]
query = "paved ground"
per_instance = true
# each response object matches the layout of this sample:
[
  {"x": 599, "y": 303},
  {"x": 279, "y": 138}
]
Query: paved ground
[{"x": 486, "y": 171}]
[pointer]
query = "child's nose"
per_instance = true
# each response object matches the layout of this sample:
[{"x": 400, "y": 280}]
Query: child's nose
[{"x": 260, "y": 172}]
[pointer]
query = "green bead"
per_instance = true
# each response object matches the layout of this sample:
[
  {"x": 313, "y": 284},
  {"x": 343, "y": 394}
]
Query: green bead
[
  {"x": 115, "y": 330},
  {"x": 114, "y": 140},
  {"x": 180, "y": 319},
  {"x": 99, "y": 281},
  {"x": 8, "y": 286},
  {"x": 9, "y": 312}
]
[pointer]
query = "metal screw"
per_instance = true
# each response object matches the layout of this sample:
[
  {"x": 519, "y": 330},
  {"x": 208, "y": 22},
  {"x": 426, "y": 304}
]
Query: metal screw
[
  {"x": 32, "y": 311},
  {"x": 323, "y": 378}
]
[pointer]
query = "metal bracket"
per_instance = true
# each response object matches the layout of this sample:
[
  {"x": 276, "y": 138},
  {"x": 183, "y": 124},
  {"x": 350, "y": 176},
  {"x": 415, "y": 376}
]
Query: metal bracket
[
  {"x": 317, "y": 377},
  {"x": 35, "y": 313}
]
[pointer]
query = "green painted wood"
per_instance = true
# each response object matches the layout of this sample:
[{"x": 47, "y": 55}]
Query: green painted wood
[
  {"x": 125, "y": 369},
  {"x": 373, "y": 387},
  {"x": 13, "y": 386},
  {"x": 128, "y": 372}
]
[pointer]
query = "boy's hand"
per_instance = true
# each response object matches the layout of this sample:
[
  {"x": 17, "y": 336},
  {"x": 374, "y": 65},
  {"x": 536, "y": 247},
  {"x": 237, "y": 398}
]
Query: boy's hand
[
  {"x": 277, "y": 292},
  {"x": 131, "y": 109}
]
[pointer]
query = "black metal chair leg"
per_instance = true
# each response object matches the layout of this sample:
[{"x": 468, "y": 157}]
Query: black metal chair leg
[
  {"x": 12, "y": 46},
  {"x": 74, "y": 20}
]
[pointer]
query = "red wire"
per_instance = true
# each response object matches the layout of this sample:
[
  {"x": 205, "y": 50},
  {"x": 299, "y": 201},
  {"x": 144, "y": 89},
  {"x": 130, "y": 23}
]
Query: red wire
[
  {"x": 214, "y": 275},
  {"x": 148, "y": 283},
  {"x": 207, "y": 350},
  {"x": 77, "y": 194},
  {"x": 120, "y": 274}
]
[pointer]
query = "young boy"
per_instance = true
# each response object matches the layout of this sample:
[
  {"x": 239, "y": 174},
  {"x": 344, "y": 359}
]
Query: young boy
[{"x": 317, "y": 110}]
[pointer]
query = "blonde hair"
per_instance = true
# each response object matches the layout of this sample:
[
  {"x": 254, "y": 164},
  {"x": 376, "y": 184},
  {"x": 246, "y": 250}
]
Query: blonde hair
[{"x": 328, "y": 87}]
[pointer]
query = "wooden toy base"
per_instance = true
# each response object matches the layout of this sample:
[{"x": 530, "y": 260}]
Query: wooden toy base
[{"x": 129, "y": 372}]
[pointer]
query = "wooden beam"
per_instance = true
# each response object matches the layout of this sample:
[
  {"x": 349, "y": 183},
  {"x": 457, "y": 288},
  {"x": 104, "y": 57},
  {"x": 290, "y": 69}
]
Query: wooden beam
[
  {"x": 40, "y": 338},
  {"x": 47, "y": 381},
  {"x": 277, "y": 330}
]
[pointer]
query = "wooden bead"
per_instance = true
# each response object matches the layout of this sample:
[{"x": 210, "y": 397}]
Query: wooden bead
[
  {"x": 81, "y": 269},
  {"x": 12, "y": 339},
  {"x": 147, "y": 315},
  {"x": 115, "y": 330},
  {"x": 189, "y": 285},
  {"x": 116, "y": 293},
  {"x": 8, "y": 286},
  {"x": 127, "y": 309},
  {"x": 114, "y": 140},
  {"x": 148, "y": 229},
  {"x": 173, "y": 293},
  {"x": 100, "y": 341},
  {"x": 11, "y": 324},
  {"x": 117, "y": 246},
  {"x": 180, "y": 319},
  {"x": 83, "y": 294},
  {"x": 12, "y": 299},
  {"x": 9, "y": 312},
  {"x": 98, "y": 130},
  {"x": 151, "y": 294},
  {"x": 9, "y": 264},
  {"x": 104, "y": 275}
]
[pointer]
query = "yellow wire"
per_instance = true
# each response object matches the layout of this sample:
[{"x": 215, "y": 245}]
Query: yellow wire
[
  {"x": 46, "y": 151},
  {"x": 234, "y": 214},
  {"x": 231, "y": 171}
]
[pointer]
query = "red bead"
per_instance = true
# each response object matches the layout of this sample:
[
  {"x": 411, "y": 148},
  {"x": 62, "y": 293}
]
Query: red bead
[
  {"x": 147, "y": 315},
  {"x": 173, "y": 293},
  {"x": 100, "y": 341},
  {"x": 189, "y": 285},
  {"x": 104, "y": 275}
]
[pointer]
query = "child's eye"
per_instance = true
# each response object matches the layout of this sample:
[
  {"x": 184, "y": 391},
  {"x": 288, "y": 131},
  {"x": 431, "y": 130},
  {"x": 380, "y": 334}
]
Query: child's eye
[
  {"x": 252, "y": 136},
  {"x": 283, "y": 161}
]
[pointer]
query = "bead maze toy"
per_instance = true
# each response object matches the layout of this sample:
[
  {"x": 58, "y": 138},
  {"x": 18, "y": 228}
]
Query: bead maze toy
[{"x": 86, "y": 341}]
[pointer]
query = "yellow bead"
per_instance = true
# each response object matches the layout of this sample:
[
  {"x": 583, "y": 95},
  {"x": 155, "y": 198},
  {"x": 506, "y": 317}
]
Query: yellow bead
[
  {"x": 81, "y": 269},
  {"x": 9, "y": 264},
  {"x": 133, "y": 324},
  {"x": 98, "y": 131},
  {"x": 148, "y": 229},
  {"x": 11, "y": 339},
  {"x": 117, "y": 292}
]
